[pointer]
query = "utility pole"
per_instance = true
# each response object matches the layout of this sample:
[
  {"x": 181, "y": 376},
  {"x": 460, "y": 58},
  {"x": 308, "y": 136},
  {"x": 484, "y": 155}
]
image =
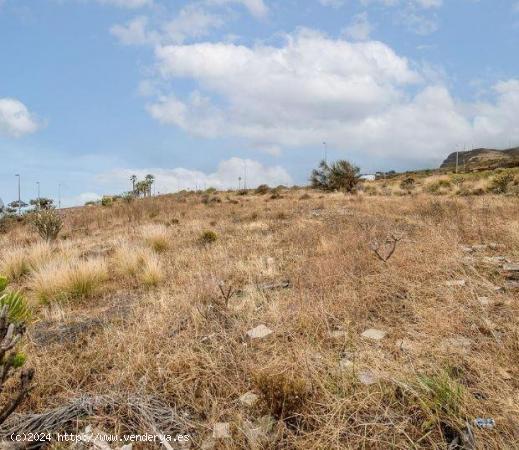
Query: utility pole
[
  {"x": 239, "y": 183},
  {"x": 457, "y": 160},
  {"x": 59, "y": 196},
  {"x": 38, "y": 199},
  {"x": 19, "y": 194},
  {"x": 325, "y": 151},
  {"x": 245, "y": 175}
]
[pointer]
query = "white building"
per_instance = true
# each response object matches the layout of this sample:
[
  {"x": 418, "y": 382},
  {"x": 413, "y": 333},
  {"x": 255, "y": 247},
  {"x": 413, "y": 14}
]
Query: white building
[{"x": 368, "y": 177}]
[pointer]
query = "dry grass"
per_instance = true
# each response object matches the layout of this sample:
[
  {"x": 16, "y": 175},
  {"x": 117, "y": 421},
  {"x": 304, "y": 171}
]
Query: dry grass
[
  {"x": 157, "y": 237},
  {"x": 19, "y": 261},
  {"x": 64, "y": 280},
  {"x": 448, "y": 356}
]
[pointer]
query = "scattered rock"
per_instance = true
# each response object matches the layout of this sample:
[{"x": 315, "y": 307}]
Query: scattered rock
[
  {"x": 479, "y": 247},
  {"x": 496, "y": 246},
  {"x": 222, "y": 430},
  {"x": 249, "y": 399},
  {"x": 511, "y": 271},
  {"x": 466, "y": 249},
  {"x": 456, "y": 283},
  {"x": 337, "y": 334},
  {"x": 367, "y": 377},
  {"x": 504, "y": 374},
  {"x": 485, "y": 301},
  {"x": 459, "y": 344},
  {"x": 345, "y": 364},
  {"x": 260, "y": 332},
  {"x": 495, "y": 260},
  {"x": 257, "y": 433},
  {"x": 208, "y": 444},
  {"x": 374, "y": 334},
  {"x": 511, "y": 285}
]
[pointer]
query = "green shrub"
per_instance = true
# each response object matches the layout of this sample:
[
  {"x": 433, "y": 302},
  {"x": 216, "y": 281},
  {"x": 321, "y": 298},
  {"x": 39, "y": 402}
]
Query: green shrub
[
  {"x": 208, "y": 237},
  {"x": 47, "y": 223},
  {"x": 107, "y": 200},
  {"x": 337, "y": 176},
  {"x": 262, "y": 189},
  {"x": 17, "y": 309},
  {"x": 500, "y": 183}
]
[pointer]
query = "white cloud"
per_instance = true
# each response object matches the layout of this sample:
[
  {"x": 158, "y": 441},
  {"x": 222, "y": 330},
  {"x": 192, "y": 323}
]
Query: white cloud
[
  {"x": 81, "y": 199},
  {"x": 354, "y": 95},
  {"x": 360, "y": 28},
  {"x": 15, "y": 119},
  {"x": 191, "y": 22},
  {"x": 418, "y": 23},
  {"x": 225, "y": 177},
  {"x": 257, "y": 8},
  {"x": 131, "y": 4},
  {"x": 427, "y": 4},
  {"x": 332, "y": 3}
]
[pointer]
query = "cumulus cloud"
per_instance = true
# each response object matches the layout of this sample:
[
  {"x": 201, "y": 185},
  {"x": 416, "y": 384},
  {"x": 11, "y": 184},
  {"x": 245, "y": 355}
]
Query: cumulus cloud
[
  {"x": 225, "y": 177},
  {"x": 131, "y": 4},
  {"x": 257, "y": 8},
  {"x": 15, "y": 119},
  {"x": 356, "y": 95},
  {"x": 360, "y": 28}
]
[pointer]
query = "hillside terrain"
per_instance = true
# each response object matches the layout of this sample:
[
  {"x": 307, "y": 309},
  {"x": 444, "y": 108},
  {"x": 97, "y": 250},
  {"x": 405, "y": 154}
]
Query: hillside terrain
[
  {"x": 483, "y": 159},
  {"x": 292, "y": 320}
]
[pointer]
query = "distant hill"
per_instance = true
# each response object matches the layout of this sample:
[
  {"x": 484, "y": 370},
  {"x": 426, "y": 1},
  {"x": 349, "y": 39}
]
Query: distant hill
[{"x": 483, "y": 158}]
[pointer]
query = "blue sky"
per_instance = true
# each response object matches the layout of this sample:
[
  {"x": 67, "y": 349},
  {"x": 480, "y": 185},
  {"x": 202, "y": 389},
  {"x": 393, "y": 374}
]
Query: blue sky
[{"x": 201, "y": 92}]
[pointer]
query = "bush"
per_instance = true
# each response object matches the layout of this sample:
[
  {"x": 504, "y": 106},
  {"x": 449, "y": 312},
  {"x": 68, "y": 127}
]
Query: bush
[
  {"x": 501, "y": 182},
  {"x": 339, "y": 176},
  {"x": 48, "y": 224},
  {"x": 208, "y": 237},
  {"x": 107, "y": 200},
  {"x": 157, "y": 237},
  {"x": 262, "y": 189},
  {"x": 408, "y": 184}
]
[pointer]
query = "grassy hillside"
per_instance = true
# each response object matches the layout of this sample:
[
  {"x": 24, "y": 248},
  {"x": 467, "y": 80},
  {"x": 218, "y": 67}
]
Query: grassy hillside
[
  {"x": 270, "y": 321},
  {"x": 483, "y": 159}
]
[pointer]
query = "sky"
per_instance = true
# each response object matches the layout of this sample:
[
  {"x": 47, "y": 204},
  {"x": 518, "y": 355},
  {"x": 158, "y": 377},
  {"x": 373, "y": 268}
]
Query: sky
[{"x": 200, "y": 93}]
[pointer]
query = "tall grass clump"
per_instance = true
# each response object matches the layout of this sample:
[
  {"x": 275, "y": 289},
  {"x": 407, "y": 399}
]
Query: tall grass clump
[
  {"x": 67, "y": 280},
  {"x": 19, "y": 261},
  {"x": 156, "y": 236},
  {"x": 138, "y": 263}
]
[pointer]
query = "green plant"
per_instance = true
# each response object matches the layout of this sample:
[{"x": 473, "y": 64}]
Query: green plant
[
  {"x": 208, "y": 237},
  {"x": 107, "y": 200},
  {"x": 18, "y": 310},
  {"x": 337, "y": 176},
  {"x": 501, "y": 182},
  {"x": 262, "y": 189},
  {"x": 48, "y": 224},
  {"x": 3, "y": 283},
  {"x": 408, "y": 184},
  {"x": 10, "y": 362}
]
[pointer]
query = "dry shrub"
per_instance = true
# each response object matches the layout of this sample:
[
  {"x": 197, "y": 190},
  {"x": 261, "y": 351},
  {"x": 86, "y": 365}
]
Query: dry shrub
[
  {"x": 156, "y": 236},
  {"x": 63, "y": 280}
]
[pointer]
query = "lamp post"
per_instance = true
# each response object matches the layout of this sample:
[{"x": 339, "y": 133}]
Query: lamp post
[
  {"x": 325, "y": 145},
  {"x": 19, "y": 194}
]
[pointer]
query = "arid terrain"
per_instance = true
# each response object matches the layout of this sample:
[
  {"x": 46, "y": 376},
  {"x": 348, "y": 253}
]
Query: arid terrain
[{"x": 276, "y": 320}]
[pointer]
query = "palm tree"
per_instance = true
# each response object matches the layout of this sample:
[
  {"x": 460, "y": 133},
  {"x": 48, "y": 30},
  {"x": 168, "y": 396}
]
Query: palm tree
[
  {"x": 149, "y": 181},
  {"x": 133, "y": 179}
]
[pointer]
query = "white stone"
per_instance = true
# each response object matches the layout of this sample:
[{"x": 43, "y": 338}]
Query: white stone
[
  {"x": 222, "y": 430},
  {"x": 456, "y": 283},
  {"x": 374, "y": 334},
  {"x": 249, "y": 399},
  {"x": 457, "y": 344},
  {"x": 337, "y": 334},
  {"x": 485, "y": 301},
  {"x": 345, "y": 364},
  {"x": 367, "y": 377},
  {"x": 260, "y": 332}
]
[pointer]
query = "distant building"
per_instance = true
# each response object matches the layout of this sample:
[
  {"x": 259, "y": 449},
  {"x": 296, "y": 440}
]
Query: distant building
[{"x": 368, "y": 177}]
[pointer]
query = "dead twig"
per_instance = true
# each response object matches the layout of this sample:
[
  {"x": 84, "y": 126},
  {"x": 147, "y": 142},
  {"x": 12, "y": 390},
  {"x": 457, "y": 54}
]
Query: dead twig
[{"x": 391, "y": 242}]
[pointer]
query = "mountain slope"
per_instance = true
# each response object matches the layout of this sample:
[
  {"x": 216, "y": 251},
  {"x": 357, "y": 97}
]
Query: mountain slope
[{"x": 483, "y": 158}]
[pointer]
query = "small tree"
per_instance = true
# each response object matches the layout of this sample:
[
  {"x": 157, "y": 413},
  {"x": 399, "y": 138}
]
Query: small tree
[
  {"x": 42, "y": 203},
  {"x": 408, "y": 184},
  {"x": 48, "y": 224},
  {"x": 337, "y": 176}
]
